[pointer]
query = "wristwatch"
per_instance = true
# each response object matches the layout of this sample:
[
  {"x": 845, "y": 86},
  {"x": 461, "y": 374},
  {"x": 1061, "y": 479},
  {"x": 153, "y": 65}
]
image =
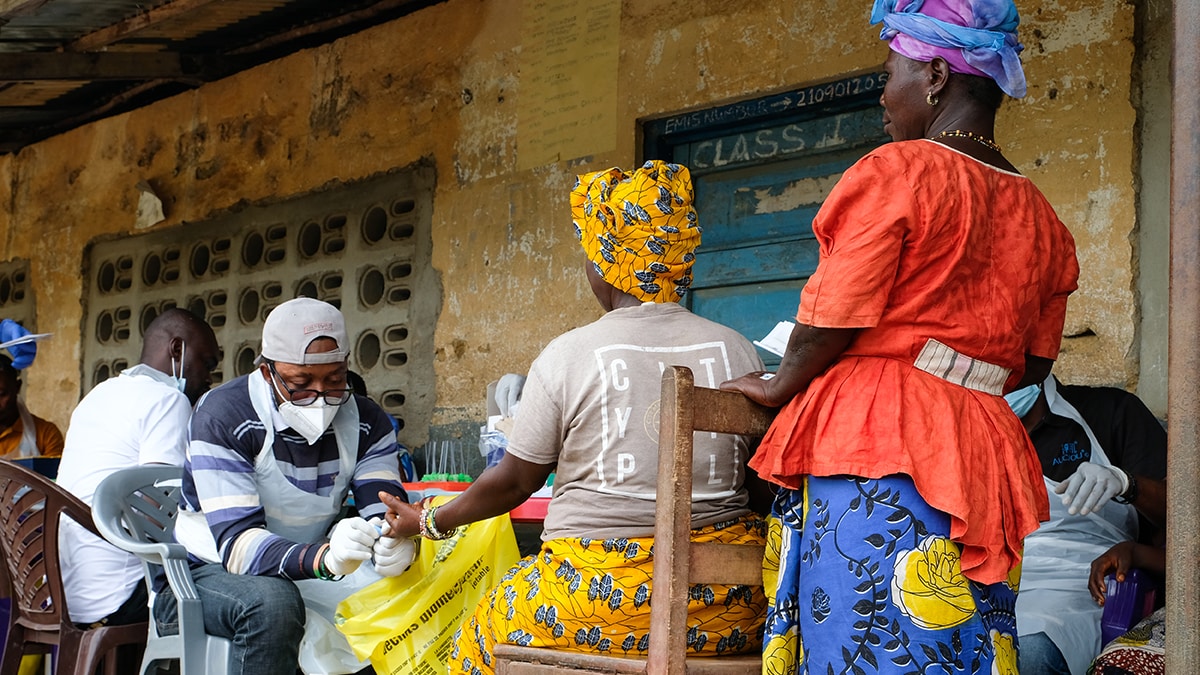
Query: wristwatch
[{"x": 1129, "y": 496}]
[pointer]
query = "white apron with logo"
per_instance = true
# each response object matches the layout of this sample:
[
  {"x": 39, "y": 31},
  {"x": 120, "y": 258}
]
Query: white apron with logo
[
  {"x": 303, "y": 517},
  {"x": 1053, "y": 597}
]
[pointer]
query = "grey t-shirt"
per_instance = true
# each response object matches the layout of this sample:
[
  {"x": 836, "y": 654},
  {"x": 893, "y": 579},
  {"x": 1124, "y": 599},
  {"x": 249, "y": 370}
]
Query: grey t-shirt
[{"x": 591, "y": 405}]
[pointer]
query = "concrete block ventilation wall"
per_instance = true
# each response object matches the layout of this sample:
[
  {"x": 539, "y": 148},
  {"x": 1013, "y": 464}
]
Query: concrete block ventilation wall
[
  {"x": 16, "y": 300},
  {"x": 363, "y": 247}
]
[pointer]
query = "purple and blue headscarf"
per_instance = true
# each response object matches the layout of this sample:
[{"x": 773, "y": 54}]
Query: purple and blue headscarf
[{"x": 976, "y": 37}]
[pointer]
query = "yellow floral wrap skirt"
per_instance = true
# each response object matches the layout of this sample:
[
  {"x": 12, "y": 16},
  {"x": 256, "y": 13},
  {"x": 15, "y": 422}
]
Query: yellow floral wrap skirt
[
  {"x": 863, "y": 578},
  {"x": 592, "y": 595}
]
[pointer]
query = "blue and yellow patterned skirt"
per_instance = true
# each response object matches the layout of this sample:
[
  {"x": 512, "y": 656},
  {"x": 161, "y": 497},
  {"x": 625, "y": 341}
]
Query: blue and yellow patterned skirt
[
  {"x": 865, "y": 579},
  {"x": 592, "y": 595}
]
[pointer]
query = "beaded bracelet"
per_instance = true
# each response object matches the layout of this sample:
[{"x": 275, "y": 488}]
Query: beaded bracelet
[
  {"x": 322, "y": 572},
  {"x": 428, "y": 524}
]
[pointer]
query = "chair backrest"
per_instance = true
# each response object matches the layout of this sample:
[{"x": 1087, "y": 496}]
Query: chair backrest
[
  {"x": 31, "y": 507},
  {"x": 678, "y": 563},
  {"x": 135, "y": 510}
]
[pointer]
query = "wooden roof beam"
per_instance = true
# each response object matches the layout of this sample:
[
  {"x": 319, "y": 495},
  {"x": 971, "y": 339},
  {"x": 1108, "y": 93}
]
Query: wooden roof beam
[
  {"x": 332, "y": 23},
  {"x": 36, "y": 66},
  {"x": 127, "y": 27},
  {"x": 11, "y": 8}
]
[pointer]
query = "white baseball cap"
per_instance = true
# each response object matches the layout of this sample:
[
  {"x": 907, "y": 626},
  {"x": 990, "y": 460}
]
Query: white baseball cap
[{"x": 291, "y": 327}]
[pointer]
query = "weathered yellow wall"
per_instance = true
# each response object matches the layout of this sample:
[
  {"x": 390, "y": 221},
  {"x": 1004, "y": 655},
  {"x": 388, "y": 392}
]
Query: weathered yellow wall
[
  {"x": 1073, "y": 135},
  {"x": 443, "y": 84}
]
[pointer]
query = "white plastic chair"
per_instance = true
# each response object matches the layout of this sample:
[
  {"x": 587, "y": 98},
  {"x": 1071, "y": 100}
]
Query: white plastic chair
[{"x": 135, "y": 510}]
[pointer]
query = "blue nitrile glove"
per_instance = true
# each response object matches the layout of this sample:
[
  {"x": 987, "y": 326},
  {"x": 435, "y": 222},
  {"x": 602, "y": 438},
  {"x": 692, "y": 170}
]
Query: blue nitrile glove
[{"x": 22, "y": 354}]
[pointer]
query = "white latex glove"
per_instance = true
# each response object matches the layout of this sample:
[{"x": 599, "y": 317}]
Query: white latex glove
[
  {"x": 349, "y": 544},
  {"x": 508, "y": 392},
  {"x": 1090, "y": 487},
  {"x": 392, "y": 555}
]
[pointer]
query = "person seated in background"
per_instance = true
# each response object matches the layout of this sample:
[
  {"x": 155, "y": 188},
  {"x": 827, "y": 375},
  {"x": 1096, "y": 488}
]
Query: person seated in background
[
  {"x": 357, "y": 383},
  {"x": 1140, "y": 651},
  {"x": 589, "y": 408},
  {"x": 138, "y": 417},
  {"x": 1103, "y": 455},
  {"x": 508, "y": 394},
  {"x": 22, "y": 434},
  {"x": 272, "y": 457}
]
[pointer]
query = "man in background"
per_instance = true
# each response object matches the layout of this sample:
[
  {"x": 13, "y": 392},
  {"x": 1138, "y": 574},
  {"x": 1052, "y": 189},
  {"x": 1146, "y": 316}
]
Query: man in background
[
  {"x": 22, "y": 434},
  {"x": 1103, "y": 457},
  {"x": 138, "y": 417}
]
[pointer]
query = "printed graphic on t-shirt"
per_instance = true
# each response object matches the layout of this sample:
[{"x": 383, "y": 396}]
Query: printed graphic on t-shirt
[
  {"x": 1071, "y": 453},
  {"x": 629, "y": 377}
]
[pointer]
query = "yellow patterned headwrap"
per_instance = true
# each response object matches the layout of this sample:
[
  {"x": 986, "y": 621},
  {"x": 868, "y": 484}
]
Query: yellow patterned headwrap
[{"x": 639, "y": 230}]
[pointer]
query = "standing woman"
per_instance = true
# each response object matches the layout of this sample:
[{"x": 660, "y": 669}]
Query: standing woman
[{"x": 906, "y": 483}]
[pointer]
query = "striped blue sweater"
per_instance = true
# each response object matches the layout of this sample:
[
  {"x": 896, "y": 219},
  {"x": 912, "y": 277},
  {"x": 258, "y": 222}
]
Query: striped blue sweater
[{"x": 226, "y": 438}]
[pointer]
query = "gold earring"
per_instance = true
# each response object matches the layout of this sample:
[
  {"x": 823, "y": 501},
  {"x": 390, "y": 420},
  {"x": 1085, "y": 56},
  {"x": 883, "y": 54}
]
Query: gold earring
[{"x": 931, "y": 99}]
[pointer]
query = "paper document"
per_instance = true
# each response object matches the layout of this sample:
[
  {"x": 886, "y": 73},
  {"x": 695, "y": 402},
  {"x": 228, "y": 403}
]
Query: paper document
[
  {"x": 32, "y": 337},
  {"x": 777, "y": 340}
]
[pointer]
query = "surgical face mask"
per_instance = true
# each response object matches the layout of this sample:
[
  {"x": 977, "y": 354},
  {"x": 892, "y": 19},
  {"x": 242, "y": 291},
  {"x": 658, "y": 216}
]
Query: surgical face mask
[
  {"x": 180, "y": 380},
  {"x": 1022, "y": 400},
  {"x": 310, "y": 421}
]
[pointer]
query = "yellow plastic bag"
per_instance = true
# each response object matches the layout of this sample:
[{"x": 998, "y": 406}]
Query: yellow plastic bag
[
  {"x": 406, "y": 624},
  {"x": 31, "y": 665}
]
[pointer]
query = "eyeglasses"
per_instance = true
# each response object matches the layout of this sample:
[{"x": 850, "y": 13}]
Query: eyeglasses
[{"x": 303, "y": 397}]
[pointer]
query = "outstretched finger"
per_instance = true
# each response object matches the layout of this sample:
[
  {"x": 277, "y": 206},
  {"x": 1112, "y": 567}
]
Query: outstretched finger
[{"x": 1097, "y": 583}]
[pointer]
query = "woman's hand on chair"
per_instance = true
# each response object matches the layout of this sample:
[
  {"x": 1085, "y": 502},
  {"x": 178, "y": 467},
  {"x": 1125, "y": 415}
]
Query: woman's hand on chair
[{"x": 754, "y": 386}]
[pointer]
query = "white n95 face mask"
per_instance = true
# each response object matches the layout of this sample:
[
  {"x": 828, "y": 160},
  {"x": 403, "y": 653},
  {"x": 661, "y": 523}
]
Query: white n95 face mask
[{"x": 310, "y": 421}]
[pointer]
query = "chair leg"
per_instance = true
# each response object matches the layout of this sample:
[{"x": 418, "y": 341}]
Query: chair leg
[
  {"x": 14, "y": 649},
  {"x": 92, "y": 651},
  {"x": 77, "y": 654}
]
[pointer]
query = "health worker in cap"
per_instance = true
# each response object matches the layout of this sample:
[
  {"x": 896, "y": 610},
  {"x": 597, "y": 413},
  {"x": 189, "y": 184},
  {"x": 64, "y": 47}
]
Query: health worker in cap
[
  {"x": 584, "y": 414},
  {"x": 272, "y": 457},
  {"x": 906, "y": 485}
]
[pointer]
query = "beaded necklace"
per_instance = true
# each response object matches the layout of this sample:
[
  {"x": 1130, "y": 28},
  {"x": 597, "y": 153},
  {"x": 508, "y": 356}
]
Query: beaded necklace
[{"x": 959, "y": 133}]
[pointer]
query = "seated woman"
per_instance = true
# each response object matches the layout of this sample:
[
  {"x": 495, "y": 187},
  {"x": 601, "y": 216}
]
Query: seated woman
[
  {"x": 590, "y": 409},
  {"x": 1140, "y": 651}
]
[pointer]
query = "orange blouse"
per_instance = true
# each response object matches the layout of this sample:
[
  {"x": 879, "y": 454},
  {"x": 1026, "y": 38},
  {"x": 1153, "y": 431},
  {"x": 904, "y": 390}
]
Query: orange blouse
[{"x": 925, "y": 248}]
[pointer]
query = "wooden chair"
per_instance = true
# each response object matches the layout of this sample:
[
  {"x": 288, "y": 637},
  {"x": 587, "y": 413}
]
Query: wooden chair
[
  {"x": 678, "y": 563},
  {"x": 31, "y": 508}
]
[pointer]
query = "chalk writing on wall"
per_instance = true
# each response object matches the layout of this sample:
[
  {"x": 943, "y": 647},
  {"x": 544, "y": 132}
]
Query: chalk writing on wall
[
  {"x": 780, "y": 104},
  {"x": 567, "y": 107}
]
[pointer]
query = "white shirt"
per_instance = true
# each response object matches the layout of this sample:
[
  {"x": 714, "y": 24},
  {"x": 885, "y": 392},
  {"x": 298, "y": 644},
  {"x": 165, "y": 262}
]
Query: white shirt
[{"x": 138, "y": 417}]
